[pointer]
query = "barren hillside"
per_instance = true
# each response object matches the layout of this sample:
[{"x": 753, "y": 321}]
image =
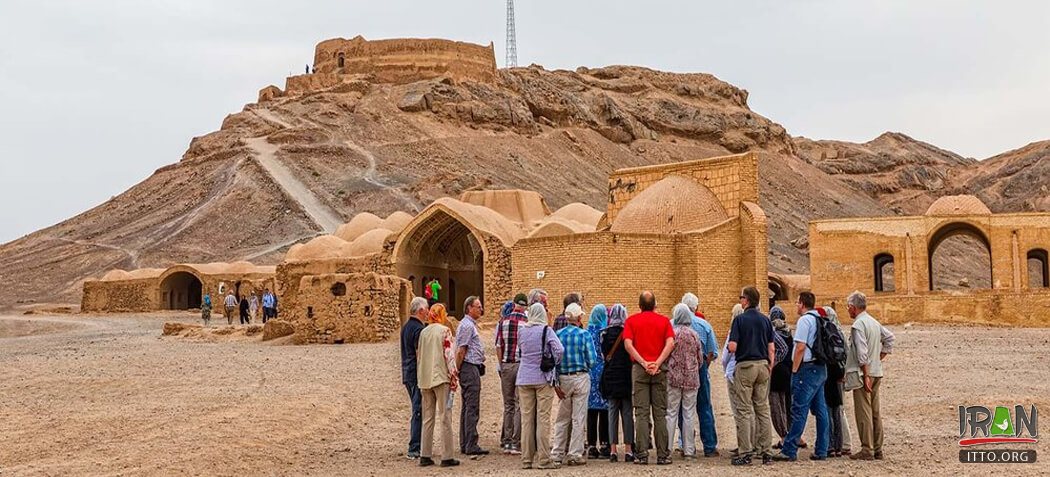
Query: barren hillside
[{"x": 285, "y": 170}]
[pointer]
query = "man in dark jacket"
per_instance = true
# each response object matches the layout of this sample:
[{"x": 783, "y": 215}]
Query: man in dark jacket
[{"x": 409, "y": 343}]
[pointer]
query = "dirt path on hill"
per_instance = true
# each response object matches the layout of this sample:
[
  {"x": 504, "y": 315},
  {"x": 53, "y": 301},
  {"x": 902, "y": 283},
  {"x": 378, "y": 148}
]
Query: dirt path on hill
[{"x": 320, "y": 213}]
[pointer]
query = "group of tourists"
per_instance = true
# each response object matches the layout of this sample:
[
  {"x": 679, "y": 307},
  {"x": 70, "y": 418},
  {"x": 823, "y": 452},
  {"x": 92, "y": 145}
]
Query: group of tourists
[
  {"x": 629, "y": 385},
  {"x": 247, "y": 306}
]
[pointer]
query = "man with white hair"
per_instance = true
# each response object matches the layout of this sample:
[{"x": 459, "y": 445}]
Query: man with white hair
[
  {"x": 409, "y": 343},
  {"x": 574, "y": 378},
  {"x": 870, "y": 343},
  {"x": 704, "y": 411}
]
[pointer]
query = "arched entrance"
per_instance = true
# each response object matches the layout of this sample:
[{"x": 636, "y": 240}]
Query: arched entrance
[
  {"x": 1038, "y": 269},
  {"x": 960, "y": 258},
  {"x": 181, "y": 291},
  {"x": 777, "y": 291},
  {"x": 443, "y": 248}
]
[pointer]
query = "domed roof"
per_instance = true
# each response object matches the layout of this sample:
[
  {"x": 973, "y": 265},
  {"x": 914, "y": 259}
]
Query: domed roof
[
  {"x": 358, "y": 225},
  {"x": 672, "y": 205},
  {"x": 368, "y": 242},
  {"x": 579, "y": 212},
  {"x": 553, "y": 226},
  {"x": 958, "y": 205}
]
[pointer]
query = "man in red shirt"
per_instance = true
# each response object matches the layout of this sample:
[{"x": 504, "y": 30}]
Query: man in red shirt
[{"x": 648, "y": 337}]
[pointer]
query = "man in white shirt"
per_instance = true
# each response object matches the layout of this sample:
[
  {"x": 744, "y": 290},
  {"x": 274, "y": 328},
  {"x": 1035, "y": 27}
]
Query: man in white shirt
[
  {"x": 870, "y": 343},
  {"x": 230, "y": 304}
]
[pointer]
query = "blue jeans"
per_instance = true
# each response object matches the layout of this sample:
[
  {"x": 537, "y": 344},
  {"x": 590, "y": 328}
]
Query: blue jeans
[
  {"x": 416, "y": 422},
  {"x": 807, "y": 395},
  {"x": 703, "y": 410}
]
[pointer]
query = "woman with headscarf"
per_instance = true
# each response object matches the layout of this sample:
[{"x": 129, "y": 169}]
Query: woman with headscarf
[
  {"x": 536, "y": 387},
  {"x": 616, "y": 384},
  {"x": 597, "y": 407},
  {"x": 683, "y": 379},
  {"x": 438, "y": 379},
  {"x": 206, "y": 310},
  {"x": 840, "y": 434},
  {"x": 780, "y": 380}
]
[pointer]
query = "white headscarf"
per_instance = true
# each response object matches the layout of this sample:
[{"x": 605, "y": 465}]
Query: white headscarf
[
  {"x": 536, "y": 314},
  {"x": 681, "y": 316},
  {"x": 691, "y": 300}
]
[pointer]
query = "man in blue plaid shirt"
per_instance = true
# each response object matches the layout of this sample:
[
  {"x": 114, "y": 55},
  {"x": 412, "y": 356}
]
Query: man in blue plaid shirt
[{"x": 574, "y": 388}]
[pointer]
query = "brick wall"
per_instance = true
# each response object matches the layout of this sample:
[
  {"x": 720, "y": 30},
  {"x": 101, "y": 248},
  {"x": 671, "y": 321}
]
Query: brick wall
[{"x": 120, "y": 296}]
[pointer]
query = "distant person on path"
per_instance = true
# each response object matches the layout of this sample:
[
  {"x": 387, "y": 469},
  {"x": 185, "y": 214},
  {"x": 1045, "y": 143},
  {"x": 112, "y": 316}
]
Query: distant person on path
[
  {"x": 230, "y": 304},
  {"x": 307, "y": 69},
  {"x": 253, "y": 305},
  {"x": 834, "y": 396},
  {"x": 470, "y": 360},
  {"x": 507, "y": 350},
  {"x": 649, "y": 338},
  {"x": 751, "y": 342},
  {"x": 269, "y": 303},
  {"x": 438, "y": 379},
  {"x": 870, "y": 343},
  {"x": 244, "y": 309},
  {"x": 597, "y": 406},
  {"x": 704, "y": 410},
  {"x": 540, "y": 354},
  {"x": 574, "y": 382},
  {"x": 561, "y": 321},
  {"x": 410, "y": 331},
  {"x": 807, "y": 383},
  {"x": 206, "y": 310},
  {"x": 616, "y": 384},
  {"x": 683, "y": 379}
]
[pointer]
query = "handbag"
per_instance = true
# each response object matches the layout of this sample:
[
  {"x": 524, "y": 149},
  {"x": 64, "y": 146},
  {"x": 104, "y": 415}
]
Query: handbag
[
  {"x": 853, "y": 381},
  {"x": 481, "y": 369},
  {"x": 547, "y": 362}
]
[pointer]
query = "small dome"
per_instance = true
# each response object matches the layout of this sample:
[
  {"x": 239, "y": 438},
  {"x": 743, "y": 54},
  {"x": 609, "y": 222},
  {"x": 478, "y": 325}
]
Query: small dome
[
  {"x": 369, "y": 242},
  {"x": 958, "y": 205},
  {"x": 553, "y": 226},
  {"x": 397, "y": 221},
  {"x": 358, "y": 225},
  {"x": 579, "y": 212},
  {"x": 319, "y": 248},
  {"x": 672, "y": 205}
]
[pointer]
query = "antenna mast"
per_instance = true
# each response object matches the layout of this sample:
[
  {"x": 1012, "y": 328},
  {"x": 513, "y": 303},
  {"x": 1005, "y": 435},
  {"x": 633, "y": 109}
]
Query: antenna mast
[{"x": 512, "y": 38}]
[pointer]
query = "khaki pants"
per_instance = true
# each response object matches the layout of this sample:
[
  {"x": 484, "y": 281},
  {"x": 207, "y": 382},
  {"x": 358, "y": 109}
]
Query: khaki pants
[
  {"x": 571, "y": 424},
  {"x": 535, "y": 403},
  {"x": 751, "y": 386},
  {"x": 869, "y": 422},
  {"x": 434, "y": 407},
  {"x": 650, "y": 394},
  {"x": 229, "y": 315}
]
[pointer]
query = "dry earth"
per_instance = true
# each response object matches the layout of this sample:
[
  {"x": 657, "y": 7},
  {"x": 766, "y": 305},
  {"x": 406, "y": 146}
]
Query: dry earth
[{"x": 109, "y": 396}]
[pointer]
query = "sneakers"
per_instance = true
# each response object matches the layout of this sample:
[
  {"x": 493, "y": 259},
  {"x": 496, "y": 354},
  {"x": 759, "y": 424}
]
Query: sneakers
[
  {"x": 817, "y": 457},
  {"x": 878, "y": 455},
  {"x": 628, "y": 457},
  {"x": 412, "y": 455},
  {"x": 478, "y": 451},
  {"x": 713, "y": 453},
  {"x": 663, "y": 461},
  {"x": 603, "y": 452},
  {"x": 575, "y": 461},
  {"x": 613, "y": 458},
  {"x": 641, "y": 460},
  {"x": 526, "y": 466},
  {"x": 551, "y": 466},
  {"x": 782, "y": 457},
  {"x": 449, "y": 463},
  {"x": 862, "y": 455},
  {"x": 592, "y": 453},
  {"x": 741, "y": 460},
  {"x": 426, "y": 461}
]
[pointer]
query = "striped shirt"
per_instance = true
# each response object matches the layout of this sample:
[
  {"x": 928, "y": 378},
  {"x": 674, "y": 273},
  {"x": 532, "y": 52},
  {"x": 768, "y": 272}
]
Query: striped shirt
[
  {"x": 579, "y": 350},
  {"x": 231, "y": 301}
]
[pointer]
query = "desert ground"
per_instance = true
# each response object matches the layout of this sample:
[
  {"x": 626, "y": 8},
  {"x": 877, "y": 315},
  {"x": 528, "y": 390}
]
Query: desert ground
[{"x": 90, "y": 395}]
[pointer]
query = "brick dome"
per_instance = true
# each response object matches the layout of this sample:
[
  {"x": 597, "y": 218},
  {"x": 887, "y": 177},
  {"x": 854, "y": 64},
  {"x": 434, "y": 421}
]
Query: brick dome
[
  {"x": 672, "y": 205},
  {"x": 958, "y": 205}
]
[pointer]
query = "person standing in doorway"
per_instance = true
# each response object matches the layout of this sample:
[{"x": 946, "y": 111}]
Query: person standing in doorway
[
  {"x": 435, "y": 291},
  {"x": 470, "y": 359}
]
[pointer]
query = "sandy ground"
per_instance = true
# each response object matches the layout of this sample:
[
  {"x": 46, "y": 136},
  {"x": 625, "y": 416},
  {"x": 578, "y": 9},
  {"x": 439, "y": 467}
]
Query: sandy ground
[{"x": 84, "y": 395}]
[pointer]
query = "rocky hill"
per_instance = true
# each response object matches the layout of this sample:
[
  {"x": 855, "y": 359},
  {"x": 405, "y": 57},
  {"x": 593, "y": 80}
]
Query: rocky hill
[{"x": 288, "y": 168}]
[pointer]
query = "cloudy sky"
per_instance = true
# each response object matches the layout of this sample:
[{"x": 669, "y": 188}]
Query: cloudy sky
[{"x": 95, "y": 96}]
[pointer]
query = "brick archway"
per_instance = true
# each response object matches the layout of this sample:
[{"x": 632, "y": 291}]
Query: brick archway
[{"x": 948, "y": 231}]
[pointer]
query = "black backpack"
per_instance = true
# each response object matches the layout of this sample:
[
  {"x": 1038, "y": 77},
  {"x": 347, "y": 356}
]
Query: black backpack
[
  {"x": 547, "y": 362},
  {"x": 829, "y": 346}
]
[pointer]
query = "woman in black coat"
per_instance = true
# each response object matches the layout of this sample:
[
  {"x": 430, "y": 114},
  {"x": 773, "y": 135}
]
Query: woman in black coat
[{"x": 616, "y": 383}]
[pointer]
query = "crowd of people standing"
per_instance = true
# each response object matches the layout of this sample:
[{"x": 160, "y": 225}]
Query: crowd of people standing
[
  {"x": 631, "y": 385},
  {"x": 246, "y": 306}
]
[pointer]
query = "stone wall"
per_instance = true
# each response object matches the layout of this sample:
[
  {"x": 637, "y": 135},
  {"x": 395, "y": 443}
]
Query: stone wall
[
  {"x": 407, "y": 60},
  {"x": 123, "y": 296},
  {"x": 290, "y": 274},
  {"x": 348, "y": 308},
  {"x": 733, "y": 179},
  {"x": 842, "y": 259}
]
